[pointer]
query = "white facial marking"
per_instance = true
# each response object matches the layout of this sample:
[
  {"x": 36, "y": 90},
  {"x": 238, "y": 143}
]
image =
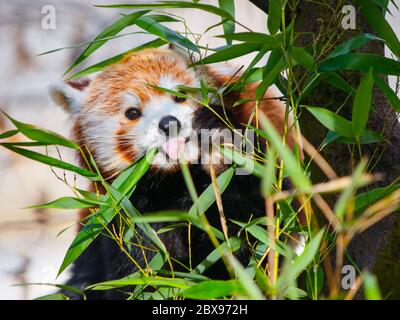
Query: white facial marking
[{"x": 129, "y": 100}]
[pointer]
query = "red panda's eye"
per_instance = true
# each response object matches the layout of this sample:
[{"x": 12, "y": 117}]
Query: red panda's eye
[
  {"x": 179, "y": 99},
  {"x": 133, "y": 113}
]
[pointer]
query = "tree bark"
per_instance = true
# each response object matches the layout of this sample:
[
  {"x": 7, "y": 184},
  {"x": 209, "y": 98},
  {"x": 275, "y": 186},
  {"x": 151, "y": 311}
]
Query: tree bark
[{"x": 378, "y": 248}]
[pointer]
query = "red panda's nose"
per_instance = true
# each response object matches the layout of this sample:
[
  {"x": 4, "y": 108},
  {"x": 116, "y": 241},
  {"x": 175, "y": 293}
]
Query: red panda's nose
[{"x": 169, "y": 125}]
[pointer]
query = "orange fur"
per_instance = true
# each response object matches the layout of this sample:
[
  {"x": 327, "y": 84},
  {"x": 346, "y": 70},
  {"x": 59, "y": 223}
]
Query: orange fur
[{"x": 145, "y": 67}]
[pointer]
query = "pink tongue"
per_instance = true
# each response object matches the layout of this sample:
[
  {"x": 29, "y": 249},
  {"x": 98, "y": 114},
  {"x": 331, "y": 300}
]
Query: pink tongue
[{"x": 174, "y": 147}]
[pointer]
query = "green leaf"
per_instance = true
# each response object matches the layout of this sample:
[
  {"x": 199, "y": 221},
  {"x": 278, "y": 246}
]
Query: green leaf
[
  {"x": 300, "y": 263},
  {"x": 338, "y": 82},
  {"x": 274, "y": 16},
  {"x": 207, "y": 198},
  {"x": 174, "y": 4},
  {"x": 85, "y": 237},
  {"x": 130, "y": 210},
  {"x": 346, "y": 197},
  {"x": 101, "y": 65},
  {"x": 131, "y": 176},
  {"x": 361, "y": 62},
  {"x": 315, "y": 282},
  {"x": 166, "y": 34},
  {"x": 228, "y": 25},
  {"x": 252, "y": 291},
  {"x": 373, "y": 15},
  {"x": 235, "y": 244},
  {"x": 294, "y": 169},
  {"x": 213, "y": 289},
  {"x": 332, "y": 121},
  {"x": 69, "y": 203},
  {"x": 231, "y": 52},
  {"x": 383, "y": 4},
  {"x": 242, "y": 161},
  {"x": 388, "y": 92},
  {"x": 371, "y": 287},
  {"x": 260, "y": 234},
  {"x": 354, "y": 43},
  {"x": 41, "y": 135},
  {"x": 92, "y": 229},
  {"x": 252, "y": 37},
  {"x": 50, "y": 161},
  {"x": 269, "y": 176},
  {"x": 26, "y": 144},
  {"x": 367, "y": 138},
  {"x": 54, "y": 296},
  {"x": 302, "y": 57},
  {"x": 9, "y": 134},
  {"x": 368, "y": 198},
  {"x": 64, "y": 287},
  {"x": 163, "y": 18},
  {"x": 269, "y": 77},
  {"x": 150, "y": 281},
  {"x": 112, "y": 30},
  {"x": 362, "y": 104}
]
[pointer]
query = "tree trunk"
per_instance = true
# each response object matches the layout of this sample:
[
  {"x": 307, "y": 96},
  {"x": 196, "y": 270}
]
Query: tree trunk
[{"x": 378, "y": 248}]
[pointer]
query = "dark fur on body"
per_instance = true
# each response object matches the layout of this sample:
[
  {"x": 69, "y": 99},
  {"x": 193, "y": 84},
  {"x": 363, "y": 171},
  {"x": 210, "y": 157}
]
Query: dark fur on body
[{"x": 103, "y": 259}]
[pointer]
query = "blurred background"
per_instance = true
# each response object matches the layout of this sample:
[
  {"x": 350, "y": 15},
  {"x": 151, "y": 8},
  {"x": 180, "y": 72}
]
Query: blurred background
[{"x": 34, "y": 241}]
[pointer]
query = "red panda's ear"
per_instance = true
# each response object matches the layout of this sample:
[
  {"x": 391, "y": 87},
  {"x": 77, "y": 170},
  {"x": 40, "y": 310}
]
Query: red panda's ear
[
  {"x": 181, "y": 52},
  {"x": 69, "y": 95}
]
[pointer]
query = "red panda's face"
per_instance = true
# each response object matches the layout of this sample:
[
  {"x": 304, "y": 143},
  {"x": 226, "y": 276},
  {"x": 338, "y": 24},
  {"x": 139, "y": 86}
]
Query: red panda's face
[{"x": 123, "y": 114}]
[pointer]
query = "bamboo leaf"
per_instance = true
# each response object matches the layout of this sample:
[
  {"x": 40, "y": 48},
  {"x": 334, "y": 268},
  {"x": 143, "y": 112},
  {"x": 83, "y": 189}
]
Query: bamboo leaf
[
  {"x": 379, "y": 24},
  {"x": 235, "y": 244},
  {"x": 252, "y": 37},
  {"x": 346, "y": 197},
  {"x": 332, "y": 121},
  {"x": 242, "y": 161},
  {"x": 41, "y": 135},
  {"x": 149, "y": 281},
  {"x": 371, "y": 287},
  {"x": 174, "y": 4},
  {"x": 101, "y": 65},
  {"x": 354, "y": 43},
  {"x": 166, "y": 34},
  {"x": 274, "y": 16},
  {"x": 361, "y": 62},
  {"x": 250, "y": 288},
  {"x": 338, "y": 82},
  {"x": 207, "y": 198},
  {"x": 9, "y": 134},
  {"x": 213, "y": 289},
  {"x": 295, "y": 170},
  {"x": 269, "y": 176},
  {"x": 269, "y": 77},
  {"x": 69, "y": 203},
  {"x": 92, "y": 229},
  {"x": 53, "y": 296},
  {"x": 85, "y": 237},
  {"x": 300, "y": 263},
  {"x": 362, "y": 104},
  {"x": 228, "y": 25},
  {"x": 231, "y": 52},
  {"x": 50, "y": 161},
  {"x": 367, "y": 138},
  {"x": 302, "y": 57},
  {"x": 388, "y": 92},
  {"x": 365, "y": 199},
  {"x": 112, "y": 30}
]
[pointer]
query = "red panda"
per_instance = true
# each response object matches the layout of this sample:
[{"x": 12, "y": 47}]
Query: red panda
[{"x": 123, "y": 113}]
